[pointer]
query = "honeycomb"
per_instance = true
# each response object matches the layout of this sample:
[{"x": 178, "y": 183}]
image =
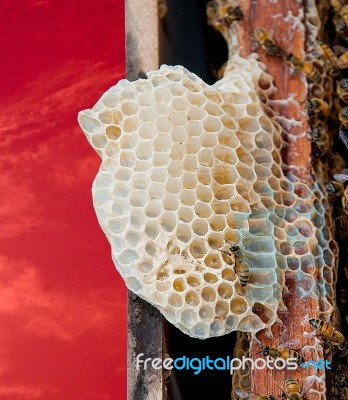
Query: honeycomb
[{"x": 185, "y": 168}]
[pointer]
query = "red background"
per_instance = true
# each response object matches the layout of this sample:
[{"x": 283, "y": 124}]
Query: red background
[{"x": 62, "y": 303}]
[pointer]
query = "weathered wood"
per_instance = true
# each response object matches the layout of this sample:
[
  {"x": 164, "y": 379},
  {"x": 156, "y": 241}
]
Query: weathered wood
[
  {"x": 297, "y": 157},
  {"x": 145, "y": 323}
]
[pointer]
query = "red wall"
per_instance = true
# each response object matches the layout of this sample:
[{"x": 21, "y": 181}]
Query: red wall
[{"x": 62, "y": 303}]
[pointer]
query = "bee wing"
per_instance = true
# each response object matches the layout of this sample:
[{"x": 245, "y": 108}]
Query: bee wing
[
  {"x": 253, "y": 263},
  {"x": 242, "y": 394},
  {"x": 339, "y": 49},
  {"x": 341, "y": 177},
  {"x": 344, "y": 137}
]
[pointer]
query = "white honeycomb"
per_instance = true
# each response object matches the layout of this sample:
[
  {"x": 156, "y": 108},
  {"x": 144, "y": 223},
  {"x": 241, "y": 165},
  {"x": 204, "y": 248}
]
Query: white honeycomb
[{"x": 185, "y": 166}]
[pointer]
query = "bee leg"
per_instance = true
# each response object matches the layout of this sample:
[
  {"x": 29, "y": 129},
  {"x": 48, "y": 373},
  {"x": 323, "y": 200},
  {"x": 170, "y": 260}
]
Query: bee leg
[{"x": 226, "y": 252}]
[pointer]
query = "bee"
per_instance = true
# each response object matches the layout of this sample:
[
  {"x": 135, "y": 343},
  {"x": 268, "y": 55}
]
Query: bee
[
  {"x": 342, "y": 61},
  {"x": 328, "y": 55},
  {"x": 266, "y": 42},
  {"x": 337, "y": 5},
  {"x": 342, "y": 90},
  {"x": 320, "y": 139},
  {"x": 275, "y": 352},
  {"x": 342, "y": 226},
  {"x": 241, "y": 266},
  {"x": 329, "y": 333},
  {"x": 228, "y": 14},
  {"x": 343, "y": 134},
  {"x": 293, "y": 390},
  {"x": 334, "y": 189},
  {"x": 317, "y": 106},
  {"x": 306, "y": 68},
  {"x": 343, "y": 116}
]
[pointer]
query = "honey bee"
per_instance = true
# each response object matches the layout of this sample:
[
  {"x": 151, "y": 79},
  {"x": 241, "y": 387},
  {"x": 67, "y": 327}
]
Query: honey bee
[
  {"x": 343, "y": 116},
  {"x": 266, "y": 42},
  {"x": 317, "y": 106},
  {"x": 337, "y": 5},
  {"x": 241, "y": 266},
  {"x": 342, "y": 61},
  {"x": 328, "y": 55},
  {"x": 306, "y": 68},
  {"x": 329, "y": 333},
  {"x": 342, "y": 90},
  {"x": 343, "y": 134},
  {"x": 320, "y": 139},
  {"x": 334, "y": 189},
  {"x": 292, "y": 390},
  {"x": 275, "y": 352},
  {"x": 228, "y": 14}
]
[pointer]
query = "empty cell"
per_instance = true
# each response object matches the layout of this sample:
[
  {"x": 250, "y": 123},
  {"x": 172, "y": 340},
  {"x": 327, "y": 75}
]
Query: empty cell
[
  {"x": 291, "y": 230},
  {"x": 174, "y": 76},
  {"x": 192, "y": 299},
  {"x": 190, "y": 163},
  {"x": 158, "y": 80},
  {"x": 213, "y": 96},
  {"x": 188, "y": 318},
  {"x": 188, "y": 197},
  {"x": 319, "y": 206},
  {"x": 160, "y": 159},
  {"x": 196, "y": 113},
  {"x": 176, "y": 89},
  {"x": 128, "y": 256},
  {"x": 104, "y": 180},
  {"x": 185, "y": 214},
  {"x": 173, "y": 186},
  {"x": 140, "y": 181},
  {"x": 205, "y": 157},
  {"x": 210, "y": 278},
  {"x": 111, "y": 100},
  {"x": 238, "y": 305},
  {"x": 197, "y": 99},
  {"x": 179, "y": 285},
  {"x": 228, "y": 274},
  {"x": 237, "y": 98},
  {"x": 217, "y": 223},
  {"x": 250, "y": 323},
  {"x": 237, "y": 203},
  {"x": 302, "y": 190},
  {"x": 193, "y": 145},
  {"x": 121, "y": 190},
  {"x": 153, "y": 209},
  {"x": 117, "y": 244},
  {"x": 117, "y": 225},
  {"x": 206, "y": 313},
  {"x": 194, "y": 280},
  {"x": 202, "y": 210},
  {"x": 99, "y": 141},
  {"x": 105, "y": 116},
  {"x": 260, "y": 227},
  {"x": 170, "y": 203},
  {"x": 208, "y": 294},
  {"x": 221, "y": 207},
  {"x": 262, "y": 172},
  {"x": 285, "y": 248},
  {"x": 203, "y": 175},
  {"x": 197, "y": 248},
  {"x": 128, "y": 141},
  {"x": 328, "y": 275},
  {"x": 151, "y": 229},
  {"x": 302, "y": 206},
  {"x": 212, "y": 124},
  {"x": 225, "y": 291},
  {"x": 318, "y": 221},
  {"x": 307, "y": 264},
  {"x": 89, "y": 124},
  {"x": 263, "y": 141},
  {"x": 224, "y": 192},
  {"x": 200, "y": 330},
  {"x": 193, "y": 128},
  {"x": 259, "y": 244},
  {"x": 137, "y": 219},
  {"x": 143, "y": 86},
  {"x": 179, "y": 118},
  {"x": 304, "y": 227},
  {"x": 248, "y": 124},
  {"x": 177, "y": 152},
  {"x": 228, "y": 139},
  {"x": 253, "y": 109},
  {"x": 113, "y": 132},
  {"x": 147, "y": 114},
  {"x": 120, "y": 207},
  {"x": 130, "y": 124},
  {"x": 168, "y": 221},
  {"x": 175, "y": 300},
  {"x": 293, "y": 263},
  {"x": 150, "y": 249},
  {"x": 145, "y": 99},
  {"x": 237, "y": 220},
  {"x": 277, "y": 171},
  {"x": 138, "y": 198},
  {"x": 231, "y": 322},
  {"x": 163, "y": 109},
  {"x": 208, "y": 140},
  {"x": 123, "y": 174},
  {"x": 174, "y": 168},
  {"x": 213, "y": 109},
  {"x": 230, "y": 110},
  {"x": 189, "y": 180},
  {"x": 133, "y": 237},
  {"x": 300, "y": 248},
  {"x": 225, "y": 154},
  {"x": 163, "y": 95},
  {"x": 216, "y": 327},
  {"x": 290, "y": 215},
  {"x": 183, "y": 233},
  {"x": 163, "y": 124},
  {"x": 163, "y": 286},
  {"x": 159, "y": 175},
  {"x": 129, "y": 107},
  {"x": 145, "y": 267},
  {"x": 112, "y": 149},
  {"x": 133, "y": 284},
  {"x": 204, "y": 193},
  {"x": 225, "y": 174},
  {"x": 212, "y": 261},
  {"x": 127, "y": 159},
  {"x": 246, "y": 172},
  {"x": 200, "y": 227},
  {"x": 328, "y": 256},
  {"x": 180, "y": 104}
]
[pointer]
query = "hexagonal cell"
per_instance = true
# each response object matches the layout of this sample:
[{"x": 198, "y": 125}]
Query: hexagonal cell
[{"x": 238, "y": 305}]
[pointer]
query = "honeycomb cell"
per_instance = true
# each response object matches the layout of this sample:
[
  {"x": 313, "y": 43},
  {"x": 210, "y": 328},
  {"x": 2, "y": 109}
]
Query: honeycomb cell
[
  {"x": 238, "y": 305},
  {"x": 206, "y": 313}
]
